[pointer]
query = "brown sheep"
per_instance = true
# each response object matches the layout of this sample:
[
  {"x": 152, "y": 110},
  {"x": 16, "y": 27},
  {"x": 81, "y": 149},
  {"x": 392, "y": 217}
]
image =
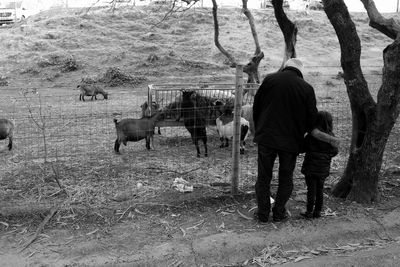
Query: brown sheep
[
  {"x": 91, "y": 90},
  {"x": 133, "y": 130}
]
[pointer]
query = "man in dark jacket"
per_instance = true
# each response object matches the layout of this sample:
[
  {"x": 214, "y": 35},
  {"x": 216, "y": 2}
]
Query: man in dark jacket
[{"x": 284, "y": 110}]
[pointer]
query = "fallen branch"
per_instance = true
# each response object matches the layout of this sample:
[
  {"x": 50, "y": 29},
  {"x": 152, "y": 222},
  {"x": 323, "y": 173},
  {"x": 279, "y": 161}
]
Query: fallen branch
[
  {"x": 196, "y": 225},
  {"x": 41, "y": 226},
  {"x": 168, "y": 170}
]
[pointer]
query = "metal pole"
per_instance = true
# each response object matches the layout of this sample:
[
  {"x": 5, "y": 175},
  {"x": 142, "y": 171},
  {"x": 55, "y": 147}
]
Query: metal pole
[
  {"x": 236, "y": 129},
  {"x": 397, "y": 9}
]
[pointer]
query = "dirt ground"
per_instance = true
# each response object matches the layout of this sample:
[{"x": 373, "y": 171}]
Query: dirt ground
[{"x": 121, "y": 210}]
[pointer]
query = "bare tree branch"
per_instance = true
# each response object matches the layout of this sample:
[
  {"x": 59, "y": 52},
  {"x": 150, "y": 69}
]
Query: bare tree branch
[
  {"x": 389, "y": 27},
  {"x": 288, "y": 28},
  {"x": 250, "y": 17},
  {"x": 95, "y": 3},
  {"x": 216, "y": 35},
  {"x": 175, "y": 9}
]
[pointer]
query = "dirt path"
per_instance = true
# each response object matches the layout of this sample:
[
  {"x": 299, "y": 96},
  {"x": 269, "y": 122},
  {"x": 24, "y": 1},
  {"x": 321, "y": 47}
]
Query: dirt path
[{"x": 203, "y": 233}]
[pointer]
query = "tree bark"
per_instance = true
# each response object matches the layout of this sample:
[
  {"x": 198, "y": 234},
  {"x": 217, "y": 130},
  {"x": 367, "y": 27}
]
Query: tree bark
[
  {"x": 289, "y": 30},
  {"x": 371, "y": 122},
  {"x": 251, "y": 68}
]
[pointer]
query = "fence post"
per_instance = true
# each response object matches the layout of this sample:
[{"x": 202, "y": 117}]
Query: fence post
[{"x": 236, "y": 128}]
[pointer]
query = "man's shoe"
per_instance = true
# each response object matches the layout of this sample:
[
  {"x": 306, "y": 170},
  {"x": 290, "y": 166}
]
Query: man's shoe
[
  {"x": 307, "y": 214},
  {"x": 281, "y": 218},
  {"x": 260, "y": 218},
  {"x": 317, "y": 214}
]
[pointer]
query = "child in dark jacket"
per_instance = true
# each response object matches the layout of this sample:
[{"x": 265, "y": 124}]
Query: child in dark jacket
[{"x": 316, "y": 165}]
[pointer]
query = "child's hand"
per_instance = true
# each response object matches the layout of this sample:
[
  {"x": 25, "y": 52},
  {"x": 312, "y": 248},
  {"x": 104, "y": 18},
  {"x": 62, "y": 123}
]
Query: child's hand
[{"x": 335, "y": 142}]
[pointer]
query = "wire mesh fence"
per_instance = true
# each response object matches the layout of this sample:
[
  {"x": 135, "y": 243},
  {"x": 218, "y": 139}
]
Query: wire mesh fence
[{"x": 79, "y": 137}]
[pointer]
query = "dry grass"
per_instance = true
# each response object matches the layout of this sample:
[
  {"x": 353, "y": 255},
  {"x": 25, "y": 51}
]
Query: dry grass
[{"x": 53, "y": 52}]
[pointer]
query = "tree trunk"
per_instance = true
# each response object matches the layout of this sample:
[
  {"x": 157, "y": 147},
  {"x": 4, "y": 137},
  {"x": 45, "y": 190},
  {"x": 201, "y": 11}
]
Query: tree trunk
[
  {"x": 251, "y": 68},
  {"x": 289, "y": 30},
  {"x": 372, "y": 122}
]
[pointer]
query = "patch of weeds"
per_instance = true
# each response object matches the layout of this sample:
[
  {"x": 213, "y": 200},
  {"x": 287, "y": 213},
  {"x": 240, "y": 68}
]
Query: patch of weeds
[
  {"x": 115, "y": 77},
  {"x": 152, "y": 58},
  {"x": 69, "y": 64},
  {"x": 50, "y": 36},
  {"x": 3, "y": 81},
  {"x": 39, "y": 46},
  {"x": 49, "y": 60},
  {"x": 30, "y": 70},
  {"x": 88, "y": 80},
  {"x": 52, "y": 77},
  {"x": 66, "y": 63}
]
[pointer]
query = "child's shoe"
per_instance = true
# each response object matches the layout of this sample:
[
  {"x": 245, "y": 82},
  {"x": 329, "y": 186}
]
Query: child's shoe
[{"x": 307, "y": 214}]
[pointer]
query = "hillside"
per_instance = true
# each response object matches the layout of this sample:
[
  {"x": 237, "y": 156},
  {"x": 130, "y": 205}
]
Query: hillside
[{"x": 181, "y": 46}]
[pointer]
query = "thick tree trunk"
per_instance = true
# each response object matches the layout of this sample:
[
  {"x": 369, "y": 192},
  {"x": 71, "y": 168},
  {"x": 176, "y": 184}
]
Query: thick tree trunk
[
  {"x": 288, "y": 28},
  {"x": 372, "y": 122},
  {"x": 251, "y": 68}
]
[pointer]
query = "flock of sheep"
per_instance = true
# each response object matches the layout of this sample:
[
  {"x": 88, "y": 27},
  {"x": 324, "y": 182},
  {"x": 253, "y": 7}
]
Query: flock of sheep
[{"x": 193, "y": 107}]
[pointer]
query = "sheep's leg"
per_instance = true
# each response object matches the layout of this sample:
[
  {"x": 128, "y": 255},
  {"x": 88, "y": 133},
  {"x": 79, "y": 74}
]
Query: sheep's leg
[
  {"x": 83, "y": 97},
  {"x": 159, "y": 130},
  {"x": 205, "y": 146},
  {"x": 241, "y": 147},
  {"x": 196, "y": 143},
  {"x": 226, "y": 142},
  {"x": 148, "y": 142},
  {"x": 222, "y": 142},
  {"x": 116, "y": 146},
  {"x": 10, "y": 142},
  {"x": 152, "y": 141}
]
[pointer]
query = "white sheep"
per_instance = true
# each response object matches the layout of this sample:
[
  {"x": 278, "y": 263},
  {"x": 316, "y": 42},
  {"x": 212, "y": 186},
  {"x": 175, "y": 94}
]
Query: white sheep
[
  {"x": 225, "y": 130},
  {"x": 247, "y": 113}
]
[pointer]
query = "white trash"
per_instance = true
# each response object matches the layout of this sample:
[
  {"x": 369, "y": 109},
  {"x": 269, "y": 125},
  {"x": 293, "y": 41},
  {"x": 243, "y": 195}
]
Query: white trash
[{"x": 182, "y": 185}]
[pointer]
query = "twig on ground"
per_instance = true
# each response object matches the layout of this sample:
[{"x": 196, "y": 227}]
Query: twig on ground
[
  {"x": 123, "y": 214},
  {"x": 42, "y": 225},
  {"x": 196, "y": 225},
  {"x": 168, "y": 170}
]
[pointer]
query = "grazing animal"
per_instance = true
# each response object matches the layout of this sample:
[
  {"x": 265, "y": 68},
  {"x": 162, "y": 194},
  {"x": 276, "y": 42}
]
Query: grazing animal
[
  {"x": 225, "y": 130},
  {"x": 194, "y": 119},
  {"x": 247, "y": 113},
  {"x": 6, "y": 131},
  {"x": 148, "y": 110},
  {"x": 91, "y": 90},
  {"x": 133, "y": 130}
]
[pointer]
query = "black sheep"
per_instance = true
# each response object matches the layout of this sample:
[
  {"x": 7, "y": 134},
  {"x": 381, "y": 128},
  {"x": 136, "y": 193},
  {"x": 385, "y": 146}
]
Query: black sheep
[
  {"x": 194, "y": 119},
  {"x": 6, "y": 130}
]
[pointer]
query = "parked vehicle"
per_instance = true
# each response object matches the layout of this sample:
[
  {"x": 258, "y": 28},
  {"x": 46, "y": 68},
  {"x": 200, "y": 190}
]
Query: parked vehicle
[{"x": 13, "y": 11}]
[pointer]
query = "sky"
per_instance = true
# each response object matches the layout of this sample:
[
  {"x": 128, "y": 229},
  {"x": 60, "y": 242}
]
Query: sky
[
  {"x": 353, "y": 5},
  {"x": 381, "y": 5}
]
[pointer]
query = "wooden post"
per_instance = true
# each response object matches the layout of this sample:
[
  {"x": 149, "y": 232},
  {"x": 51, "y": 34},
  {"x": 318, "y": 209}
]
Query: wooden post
[{"x": 236, "y": 129}]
